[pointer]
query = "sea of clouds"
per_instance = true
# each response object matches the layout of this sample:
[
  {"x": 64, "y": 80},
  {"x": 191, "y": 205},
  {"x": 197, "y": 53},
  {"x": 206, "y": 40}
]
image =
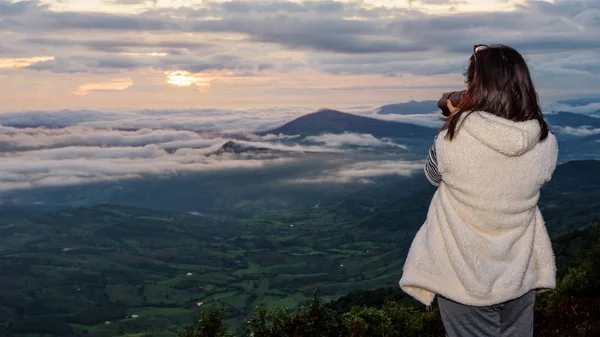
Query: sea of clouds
[
  {"x": 74, "y": 147},
  {"x": 53, "y": 148}
]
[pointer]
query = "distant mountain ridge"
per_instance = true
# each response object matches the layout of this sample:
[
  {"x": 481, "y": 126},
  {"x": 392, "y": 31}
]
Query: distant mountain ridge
[
  {"x": 582, "y": 101},
  {"x": 333, "y": 121},
  {"x": 408, "y": 108},
  {"x": 238, "y": 148},
  {"x": 564, "y": 118},
  {"x": 337, "y": 122}
]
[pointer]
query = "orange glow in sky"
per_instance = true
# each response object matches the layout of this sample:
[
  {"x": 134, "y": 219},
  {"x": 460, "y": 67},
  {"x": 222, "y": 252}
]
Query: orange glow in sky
[
  {"x": 113, "y": 54},
  {"x": 182, "y": 78},
  {"x": 113, "y": 85},
  {"x": 22, "y": 62}
]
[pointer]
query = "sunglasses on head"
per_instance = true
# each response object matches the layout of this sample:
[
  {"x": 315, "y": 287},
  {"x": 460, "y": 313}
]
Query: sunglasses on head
[{"x": 478, "y": 48}]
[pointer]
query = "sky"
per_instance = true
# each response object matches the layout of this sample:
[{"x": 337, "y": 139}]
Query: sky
[{"x": 239, "y": 54}]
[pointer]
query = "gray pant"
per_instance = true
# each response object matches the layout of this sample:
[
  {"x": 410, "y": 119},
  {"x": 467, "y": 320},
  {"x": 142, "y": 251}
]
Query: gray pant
[{"x": 509, "y": 319}]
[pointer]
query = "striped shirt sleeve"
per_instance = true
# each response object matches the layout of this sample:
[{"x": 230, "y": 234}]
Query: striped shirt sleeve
[{"x": 431, "y": 168}]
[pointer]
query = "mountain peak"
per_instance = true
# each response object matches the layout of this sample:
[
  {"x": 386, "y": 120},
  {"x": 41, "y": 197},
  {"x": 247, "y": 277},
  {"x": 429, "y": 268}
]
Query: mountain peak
[
  {"x": 326, "y": 111},
  {"x": 238, "y": 148},
  {"x": 408, "y": 108},
  {"x": 575, "y": 120},
  {"x": 337, "y": 122}
]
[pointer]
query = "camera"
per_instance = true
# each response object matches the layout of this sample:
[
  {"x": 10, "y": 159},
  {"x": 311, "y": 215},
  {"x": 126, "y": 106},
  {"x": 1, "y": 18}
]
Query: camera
[{"x": 455, "y": 97}]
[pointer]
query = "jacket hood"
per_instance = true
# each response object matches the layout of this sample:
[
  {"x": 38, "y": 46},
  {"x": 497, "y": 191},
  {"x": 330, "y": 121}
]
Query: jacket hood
[{"x": 503, "y": 135}]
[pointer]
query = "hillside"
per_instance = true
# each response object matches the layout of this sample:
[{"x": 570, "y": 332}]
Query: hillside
[
  {"x": 571, "y": 194},
  {"x": 581, "y": 101},
  {"x": 409, "y": 108},
  {"x": 86, "y": 266},
  {"x": 332, "y": 121},
  {"x": 567, "y": 200},
  {"x": 577, "y": 138},
  {"x": 569, "y": 310},
  {"x": 571, "y": 119},
  {"x": 73, "y": 270},
  {"x": 249, "y": 151},
  {"x": 238, "y": 148}
]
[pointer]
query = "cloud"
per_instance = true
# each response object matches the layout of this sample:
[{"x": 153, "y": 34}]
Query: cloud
[
  {"x": 211, "y": 144},
  {"x": 337, "y": 44},
  {"x": 390, "y": 64},
  {"x": 84, "y": 152},
  {"x": 363, "y": 172},
  {"x": 301, "y": 50},
  {"x": 82, "y": 136},
  {"x": 197, "y": 119},
  {"x": 583, "y": 109},
  {"x": 118, "y": 45},
  {"x": 18, "y": 139},
  {"x": 110, "y": 64},
  {"x": 23, "y": 62},
  {"x": 327, "y": 27},
  {"x": 114, "y": 85},
  {"x": 173, "y": 128},
  {"x": 364, "y": 140},
  {"x": 271, "y": 137},
  {"x": 431, "y": 120},
  {"x": 54, "y": 119},
  {"x": 78, "y": 147},
  {"x": 436, "y": 2},
  {"x": 100, "y": 21},
  {"x": 581, "y": 131},
  {"x": 34, "y": 169},
  {"x": 132, "y": 2},
  {"x": 36, "y": 157}
]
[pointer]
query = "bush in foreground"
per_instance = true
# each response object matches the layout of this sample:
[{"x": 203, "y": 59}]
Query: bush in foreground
[
  {"x": 572, "y": 309},
  {"x": 316, "y": 320}
]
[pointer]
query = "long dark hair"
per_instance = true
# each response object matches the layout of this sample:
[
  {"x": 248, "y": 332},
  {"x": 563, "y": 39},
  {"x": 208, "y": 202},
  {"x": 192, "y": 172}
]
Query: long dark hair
[{"x": 500, "y": 84}]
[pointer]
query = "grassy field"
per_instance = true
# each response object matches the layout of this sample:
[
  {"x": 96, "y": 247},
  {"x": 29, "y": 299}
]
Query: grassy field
[{"x": 113, "y": 270}]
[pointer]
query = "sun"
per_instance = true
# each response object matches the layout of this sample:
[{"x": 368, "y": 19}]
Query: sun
[
  {"x": 179, "y": 78},
  {"x": 182, "y": 78}
]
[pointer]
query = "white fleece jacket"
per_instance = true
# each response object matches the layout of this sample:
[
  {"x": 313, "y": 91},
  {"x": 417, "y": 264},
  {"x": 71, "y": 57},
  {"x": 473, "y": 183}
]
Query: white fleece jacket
[{"x": 484, "y": 241}]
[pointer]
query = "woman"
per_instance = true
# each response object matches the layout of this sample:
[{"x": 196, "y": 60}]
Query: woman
[{"x": 484, "y": 249}]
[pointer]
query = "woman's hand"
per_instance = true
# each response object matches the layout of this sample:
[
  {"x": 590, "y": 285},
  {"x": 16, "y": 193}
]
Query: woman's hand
[{"x": 451, "y": 107}]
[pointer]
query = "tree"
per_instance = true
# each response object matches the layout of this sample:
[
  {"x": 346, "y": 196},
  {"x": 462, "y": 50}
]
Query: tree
[{"x": 209, "y": 324}]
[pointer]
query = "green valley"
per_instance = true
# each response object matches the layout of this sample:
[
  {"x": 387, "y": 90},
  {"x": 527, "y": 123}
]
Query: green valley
[{"x": 111, "y": 270}]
